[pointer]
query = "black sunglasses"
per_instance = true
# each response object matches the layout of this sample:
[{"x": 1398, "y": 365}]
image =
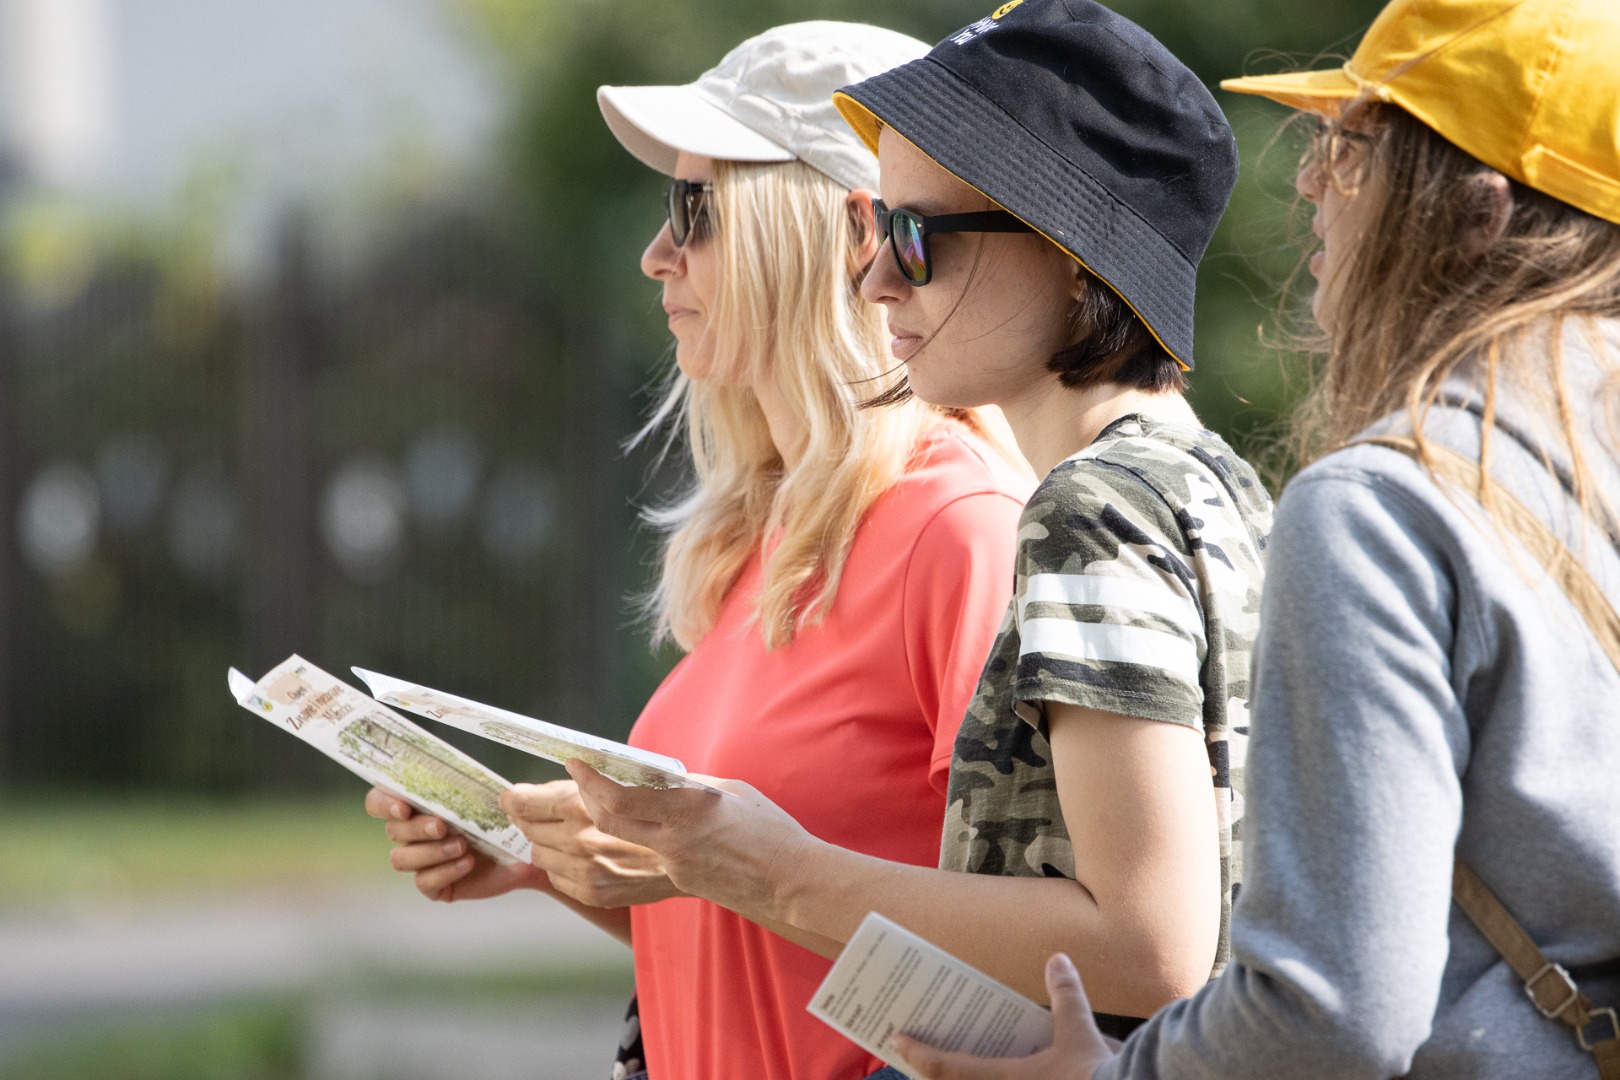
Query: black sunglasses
[
  {"x": 687, "y": 210},
  {"x": 907, "y": 234}
]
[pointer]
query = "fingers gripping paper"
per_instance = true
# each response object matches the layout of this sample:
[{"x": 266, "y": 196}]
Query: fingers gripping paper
[{"x": 889, "y": 980}]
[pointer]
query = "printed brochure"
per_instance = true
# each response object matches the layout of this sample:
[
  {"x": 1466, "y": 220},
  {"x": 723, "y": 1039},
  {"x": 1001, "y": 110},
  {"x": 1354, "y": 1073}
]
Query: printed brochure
[
  {"x": 625, "y": 764},
  {"x": 889, "y": 980}
]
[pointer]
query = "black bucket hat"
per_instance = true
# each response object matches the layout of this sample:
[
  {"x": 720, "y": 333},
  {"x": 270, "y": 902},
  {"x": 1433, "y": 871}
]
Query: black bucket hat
[{"x": 1081, "y": 124}]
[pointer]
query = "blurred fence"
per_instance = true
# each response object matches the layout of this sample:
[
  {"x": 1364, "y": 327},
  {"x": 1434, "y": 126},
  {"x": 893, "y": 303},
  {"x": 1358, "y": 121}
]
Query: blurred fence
[{"x": 409, "y": 463}]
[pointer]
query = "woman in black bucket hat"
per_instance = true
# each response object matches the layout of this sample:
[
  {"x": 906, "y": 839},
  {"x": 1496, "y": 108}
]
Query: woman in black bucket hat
[{"x": 1051, "y": 177}]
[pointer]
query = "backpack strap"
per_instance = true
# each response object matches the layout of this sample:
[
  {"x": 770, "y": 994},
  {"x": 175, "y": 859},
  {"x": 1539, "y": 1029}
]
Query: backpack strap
[{"x": 1548, "y": 985}]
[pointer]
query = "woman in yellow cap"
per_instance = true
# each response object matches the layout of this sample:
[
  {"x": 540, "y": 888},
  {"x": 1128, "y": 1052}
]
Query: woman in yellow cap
[{"x": 1433, "y": 858}]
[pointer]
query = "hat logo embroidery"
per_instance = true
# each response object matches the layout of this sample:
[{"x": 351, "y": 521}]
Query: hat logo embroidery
[{"x": 984, "y": 25}]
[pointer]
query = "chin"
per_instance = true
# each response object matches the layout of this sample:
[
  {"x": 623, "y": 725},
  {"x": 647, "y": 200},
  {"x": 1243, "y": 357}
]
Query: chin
[
  {"x": 936, "y": 388},
  {"x": 694, "y": 365},
  {"x": 699, "y": 366},
  {"x": 1320, "y": 314},
  {"x": 944, "y": 397}
]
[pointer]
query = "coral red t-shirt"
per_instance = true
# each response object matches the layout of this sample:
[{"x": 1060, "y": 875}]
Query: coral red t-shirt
[{"x": 849, "y": 729}]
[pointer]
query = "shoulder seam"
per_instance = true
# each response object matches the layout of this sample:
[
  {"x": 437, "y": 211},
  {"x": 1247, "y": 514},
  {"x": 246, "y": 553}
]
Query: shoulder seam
[{"x": 1467, "y": 615}]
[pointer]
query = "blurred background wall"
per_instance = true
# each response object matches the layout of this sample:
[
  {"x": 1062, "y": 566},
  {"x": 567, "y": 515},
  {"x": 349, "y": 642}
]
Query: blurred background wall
[{"x": 321, "y": 330}]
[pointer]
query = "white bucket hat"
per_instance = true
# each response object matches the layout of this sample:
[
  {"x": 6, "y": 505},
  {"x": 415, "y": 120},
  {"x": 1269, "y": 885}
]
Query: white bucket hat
[{"x": 770, "y": 99}]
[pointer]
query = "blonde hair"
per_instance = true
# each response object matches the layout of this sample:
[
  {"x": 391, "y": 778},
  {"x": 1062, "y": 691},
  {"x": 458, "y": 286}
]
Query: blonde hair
[
  {"x": 787, "y": 316},
  {"x": 1413, "y": 306}
]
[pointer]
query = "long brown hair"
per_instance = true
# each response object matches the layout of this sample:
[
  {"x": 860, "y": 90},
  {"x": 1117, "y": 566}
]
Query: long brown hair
[{"x": 1413, "y": 304}]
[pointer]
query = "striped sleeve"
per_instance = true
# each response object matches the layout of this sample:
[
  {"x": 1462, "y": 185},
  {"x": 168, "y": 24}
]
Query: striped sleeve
[{"x": 1107, "y": 606}]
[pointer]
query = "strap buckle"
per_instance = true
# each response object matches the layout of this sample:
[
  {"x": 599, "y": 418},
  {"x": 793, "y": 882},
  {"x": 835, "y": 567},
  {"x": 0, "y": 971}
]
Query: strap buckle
[
  {"x": 1558, "y": 972},
  {"x": 1614, "y": 1029}
]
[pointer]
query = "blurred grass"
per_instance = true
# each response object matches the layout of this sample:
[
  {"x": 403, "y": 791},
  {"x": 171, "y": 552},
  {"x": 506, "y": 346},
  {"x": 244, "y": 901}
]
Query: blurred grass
[
  {"x": 105, "y": 847},
  {"x": 242, "y": 1041},
  {"x": 268, "y": 1038}
]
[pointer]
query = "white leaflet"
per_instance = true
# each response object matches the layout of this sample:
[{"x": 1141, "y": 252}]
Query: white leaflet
[
  {"x": 618, "y": 761},
  {"x": 889, "y": 980}
]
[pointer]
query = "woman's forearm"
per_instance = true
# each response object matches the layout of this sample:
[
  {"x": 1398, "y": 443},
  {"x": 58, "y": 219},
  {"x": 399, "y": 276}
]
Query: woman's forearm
[
  {"x": 1006, "y": 927},
  {"x": 613, "y": 921},
  {"x": 616, "y": 922},
  {"x": 745, "y": 854},
  {"x": 819, "y": 944}
]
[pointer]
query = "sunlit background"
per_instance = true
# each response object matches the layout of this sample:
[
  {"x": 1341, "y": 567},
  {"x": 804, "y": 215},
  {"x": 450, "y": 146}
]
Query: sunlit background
[{"x": 321, "y": 331}]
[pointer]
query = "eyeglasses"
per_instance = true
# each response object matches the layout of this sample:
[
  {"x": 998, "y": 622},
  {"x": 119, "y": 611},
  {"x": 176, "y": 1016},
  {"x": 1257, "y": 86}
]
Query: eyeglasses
[
  {"x": 687, "y": 210},
  {"x": 907, "y": 234},
  {"x": 1340, "y": 151}
]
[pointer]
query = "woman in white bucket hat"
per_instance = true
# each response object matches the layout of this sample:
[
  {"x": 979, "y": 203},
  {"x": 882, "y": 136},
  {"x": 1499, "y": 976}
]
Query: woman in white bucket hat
[{"x": 835, "y": 574}]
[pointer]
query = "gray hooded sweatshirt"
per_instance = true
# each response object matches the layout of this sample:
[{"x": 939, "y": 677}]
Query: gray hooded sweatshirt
[{"x": 1421, "y": 687}]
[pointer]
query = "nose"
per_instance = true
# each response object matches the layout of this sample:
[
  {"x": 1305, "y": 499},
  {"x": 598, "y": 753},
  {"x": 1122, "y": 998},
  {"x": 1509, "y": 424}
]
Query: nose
[
  {"x": 1310, "y": 180},
  {"x": 883, "y": 283},
  {"x": 662, "y": 259}
]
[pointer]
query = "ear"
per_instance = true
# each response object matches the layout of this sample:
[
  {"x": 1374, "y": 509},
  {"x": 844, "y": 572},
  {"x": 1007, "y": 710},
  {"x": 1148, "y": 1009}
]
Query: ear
[
  {"x": 1487, "y": 201},
  {"x": 1077, "y": 286},
  {"x": 863, "y": 227}
]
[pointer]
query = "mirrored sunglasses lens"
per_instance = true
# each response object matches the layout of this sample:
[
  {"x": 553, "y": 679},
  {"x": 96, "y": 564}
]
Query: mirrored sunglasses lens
[
  {"x": 909, "y": 250},
  {"x": 697, "y": 218}
]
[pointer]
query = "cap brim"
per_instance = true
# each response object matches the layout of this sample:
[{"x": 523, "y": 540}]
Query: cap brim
[
  {"x": 1326, "y": 92},
  {"x": 655, "y": 123}
]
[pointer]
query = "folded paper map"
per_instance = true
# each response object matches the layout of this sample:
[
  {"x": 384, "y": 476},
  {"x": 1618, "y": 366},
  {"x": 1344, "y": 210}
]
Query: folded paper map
[
  {"x": 386, "y": 749},
  {"x": 379, "y": 745}
]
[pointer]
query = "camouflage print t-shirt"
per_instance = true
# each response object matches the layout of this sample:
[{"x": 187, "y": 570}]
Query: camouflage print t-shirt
[{"x": 1140, "y": 562}]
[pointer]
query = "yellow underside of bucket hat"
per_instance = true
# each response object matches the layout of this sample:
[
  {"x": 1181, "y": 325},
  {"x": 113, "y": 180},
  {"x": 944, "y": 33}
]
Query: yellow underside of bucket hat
[{"x": 859, "y": 117}]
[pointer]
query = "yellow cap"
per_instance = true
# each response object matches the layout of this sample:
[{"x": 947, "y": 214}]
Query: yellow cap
[{"x": 1529, "y": 87}]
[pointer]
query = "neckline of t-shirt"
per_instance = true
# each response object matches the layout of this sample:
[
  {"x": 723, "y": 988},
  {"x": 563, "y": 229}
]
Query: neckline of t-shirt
[{"x": 1151, "y": 427}]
